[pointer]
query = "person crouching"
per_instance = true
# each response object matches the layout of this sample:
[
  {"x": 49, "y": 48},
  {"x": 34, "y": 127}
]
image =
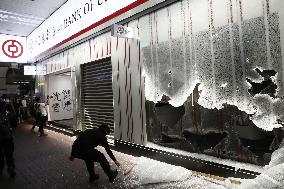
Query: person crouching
[{"x": 83, "y": 148}]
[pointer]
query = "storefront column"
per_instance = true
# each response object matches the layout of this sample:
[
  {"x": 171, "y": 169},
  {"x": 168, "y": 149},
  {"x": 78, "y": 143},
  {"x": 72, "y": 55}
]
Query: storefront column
[
  {"x": 128, "y": 91},
  {"x": 76, "y": 79}
]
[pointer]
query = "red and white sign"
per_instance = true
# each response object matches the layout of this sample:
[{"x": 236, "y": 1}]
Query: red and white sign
[
  {"x": 12, "y": 49},
  {"x": 73, "y": 19}
]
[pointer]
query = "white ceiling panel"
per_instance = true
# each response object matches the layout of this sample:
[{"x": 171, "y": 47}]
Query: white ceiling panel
[{"x": 21, "y": 17}]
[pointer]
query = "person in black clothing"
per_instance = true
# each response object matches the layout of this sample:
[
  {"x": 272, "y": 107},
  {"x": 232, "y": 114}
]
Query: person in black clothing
[
  {"x": 6, "y": 141},
  {"x": 12, "y": 116},
  {"x": 36, "y": 113},
  {"x": 83, "y": 148}
]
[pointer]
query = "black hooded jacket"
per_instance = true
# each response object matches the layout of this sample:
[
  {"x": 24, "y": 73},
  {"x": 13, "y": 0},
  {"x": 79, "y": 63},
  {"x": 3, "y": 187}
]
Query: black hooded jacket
[{"x": 88, "y": 140}]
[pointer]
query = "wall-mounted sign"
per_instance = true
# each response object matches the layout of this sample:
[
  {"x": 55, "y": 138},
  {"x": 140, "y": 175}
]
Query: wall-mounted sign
[
  {"x": 122, "y": 31},
  {"x": 35, "y": 70},
  {"x": 61, "y": 105},
  {"x": 12, "y": 49},
  {"x": 41, "y": 70},
  {"x": 73, "y": 18},
  {"x": 29, "y": 70}
]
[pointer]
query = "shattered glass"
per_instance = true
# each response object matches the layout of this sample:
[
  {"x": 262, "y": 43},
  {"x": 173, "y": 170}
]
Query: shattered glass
[{"x": 222, "y": 62}]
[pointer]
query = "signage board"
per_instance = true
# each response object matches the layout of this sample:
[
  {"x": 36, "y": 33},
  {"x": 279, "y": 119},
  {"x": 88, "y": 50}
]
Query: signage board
[
  {"x": 41, "y": 70},
  {"x": 35, "y": 70},
  {"x": 29, "y": 70},
  {"x": 72, "y": 19},
  {"x": 12, "y": 49},
  {"x": 122, "y": 31}
]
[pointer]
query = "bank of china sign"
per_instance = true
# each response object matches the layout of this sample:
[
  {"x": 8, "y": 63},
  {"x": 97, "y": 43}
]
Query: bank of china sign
[
  {"x": 12, "y": 49},
  {"x": 70, "y": 19}
]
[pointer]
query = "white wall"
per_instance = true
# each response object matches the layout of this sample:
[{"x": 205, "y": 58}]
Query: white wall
[{"x": 61, "y": 105}]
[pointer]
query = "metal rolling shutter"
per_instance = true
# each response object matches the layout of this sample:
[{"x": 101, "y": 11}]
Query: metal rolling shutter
[{"x": 97, "y": 95}]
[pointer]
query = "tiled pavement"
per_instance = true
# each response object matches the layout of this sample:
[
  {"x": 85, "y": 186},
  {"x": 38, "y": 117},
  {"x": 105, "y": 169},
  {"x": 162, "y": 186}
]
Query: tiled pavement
[{"x": 42, "y": 163}]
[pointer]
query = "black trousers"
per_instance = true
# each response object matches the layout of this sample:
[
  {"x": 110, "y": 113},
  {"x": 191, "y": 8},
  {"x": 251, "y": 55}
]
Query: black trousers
[
  {"x": 91, "y": 156},
  {"x": 37, "y": 120},
  {"x": 6, "y": 154},
  {"x": 24, "y": 112},
  {"x": 42, "y": 124}
]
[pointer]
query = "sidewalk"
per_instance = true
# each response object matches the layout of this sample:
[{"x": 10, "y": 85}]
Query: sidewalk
[{"x": 42, "y": 163}]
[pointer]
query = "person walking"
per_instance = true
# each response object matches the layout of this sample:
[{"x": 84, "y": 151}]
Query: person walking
[
  {"x": 36, "y": 113},
  {"x": 41, "y": 116},
  {"x": 12, "y": 116},
  {"x": 83, "y": 148},
  {"x": 6, "y": 142},
  {"x": 16, "y": 106},
  {"x": 24, "y": 108},
  {"x": 48, "y": 100},
  {"x": 43, "y": 119}
]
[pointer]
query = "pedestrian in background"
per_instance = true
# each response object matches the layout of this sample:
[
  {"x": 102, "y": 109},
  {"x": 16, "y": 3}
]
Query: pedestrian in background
[
  {"x": 16, "y": 106},
  {"x": 12, "y": 116},
  {"x": 40, "y": 116},
  {"x": 6, "y": 142},
  {"x": 36, "y": 113},
  {"x": 84, "y": 148},
  {"x": 43, "y": 118},
  {"x": 20, "y": 110},
  {"x": 48, "y": 100}
]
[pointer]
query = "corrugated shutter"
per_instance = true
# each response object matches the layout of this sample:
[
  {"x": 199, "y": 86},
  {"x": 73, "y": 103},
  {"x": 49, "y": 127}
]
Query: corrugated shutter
[{"x": 97, "y": 95}]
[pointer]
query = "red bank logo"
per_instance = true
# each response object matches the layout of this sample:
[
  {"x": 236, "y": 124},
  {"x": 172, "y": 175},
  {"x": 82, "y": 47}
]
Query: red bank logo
[{"x": 12, "y": 48}]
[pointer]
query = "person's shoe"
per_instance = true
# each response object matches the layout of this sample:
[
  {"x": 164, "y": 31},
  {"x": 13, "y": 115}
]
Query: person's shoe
[
  {"x": 113, "y": 175},
  {"x": 93, "y": 178}
]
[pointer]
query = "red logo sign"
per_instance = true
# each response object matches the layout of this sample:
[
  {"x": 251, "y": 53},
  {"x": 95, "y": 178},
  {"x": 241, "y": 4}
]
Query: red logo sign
[{"x": 12, "y": 48}]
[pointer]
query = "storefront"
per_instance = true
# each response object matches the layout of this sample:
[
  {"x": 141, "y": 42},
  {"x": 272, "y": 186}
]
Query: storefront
[{"x": 196, "y": 75}]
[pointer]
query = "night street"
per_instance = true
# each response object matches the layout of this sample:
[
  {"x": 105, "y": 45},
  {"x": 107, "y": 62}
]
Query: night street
[
  {"x": 142, "y": 94},
  {"x": 42, "y": 163}
]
